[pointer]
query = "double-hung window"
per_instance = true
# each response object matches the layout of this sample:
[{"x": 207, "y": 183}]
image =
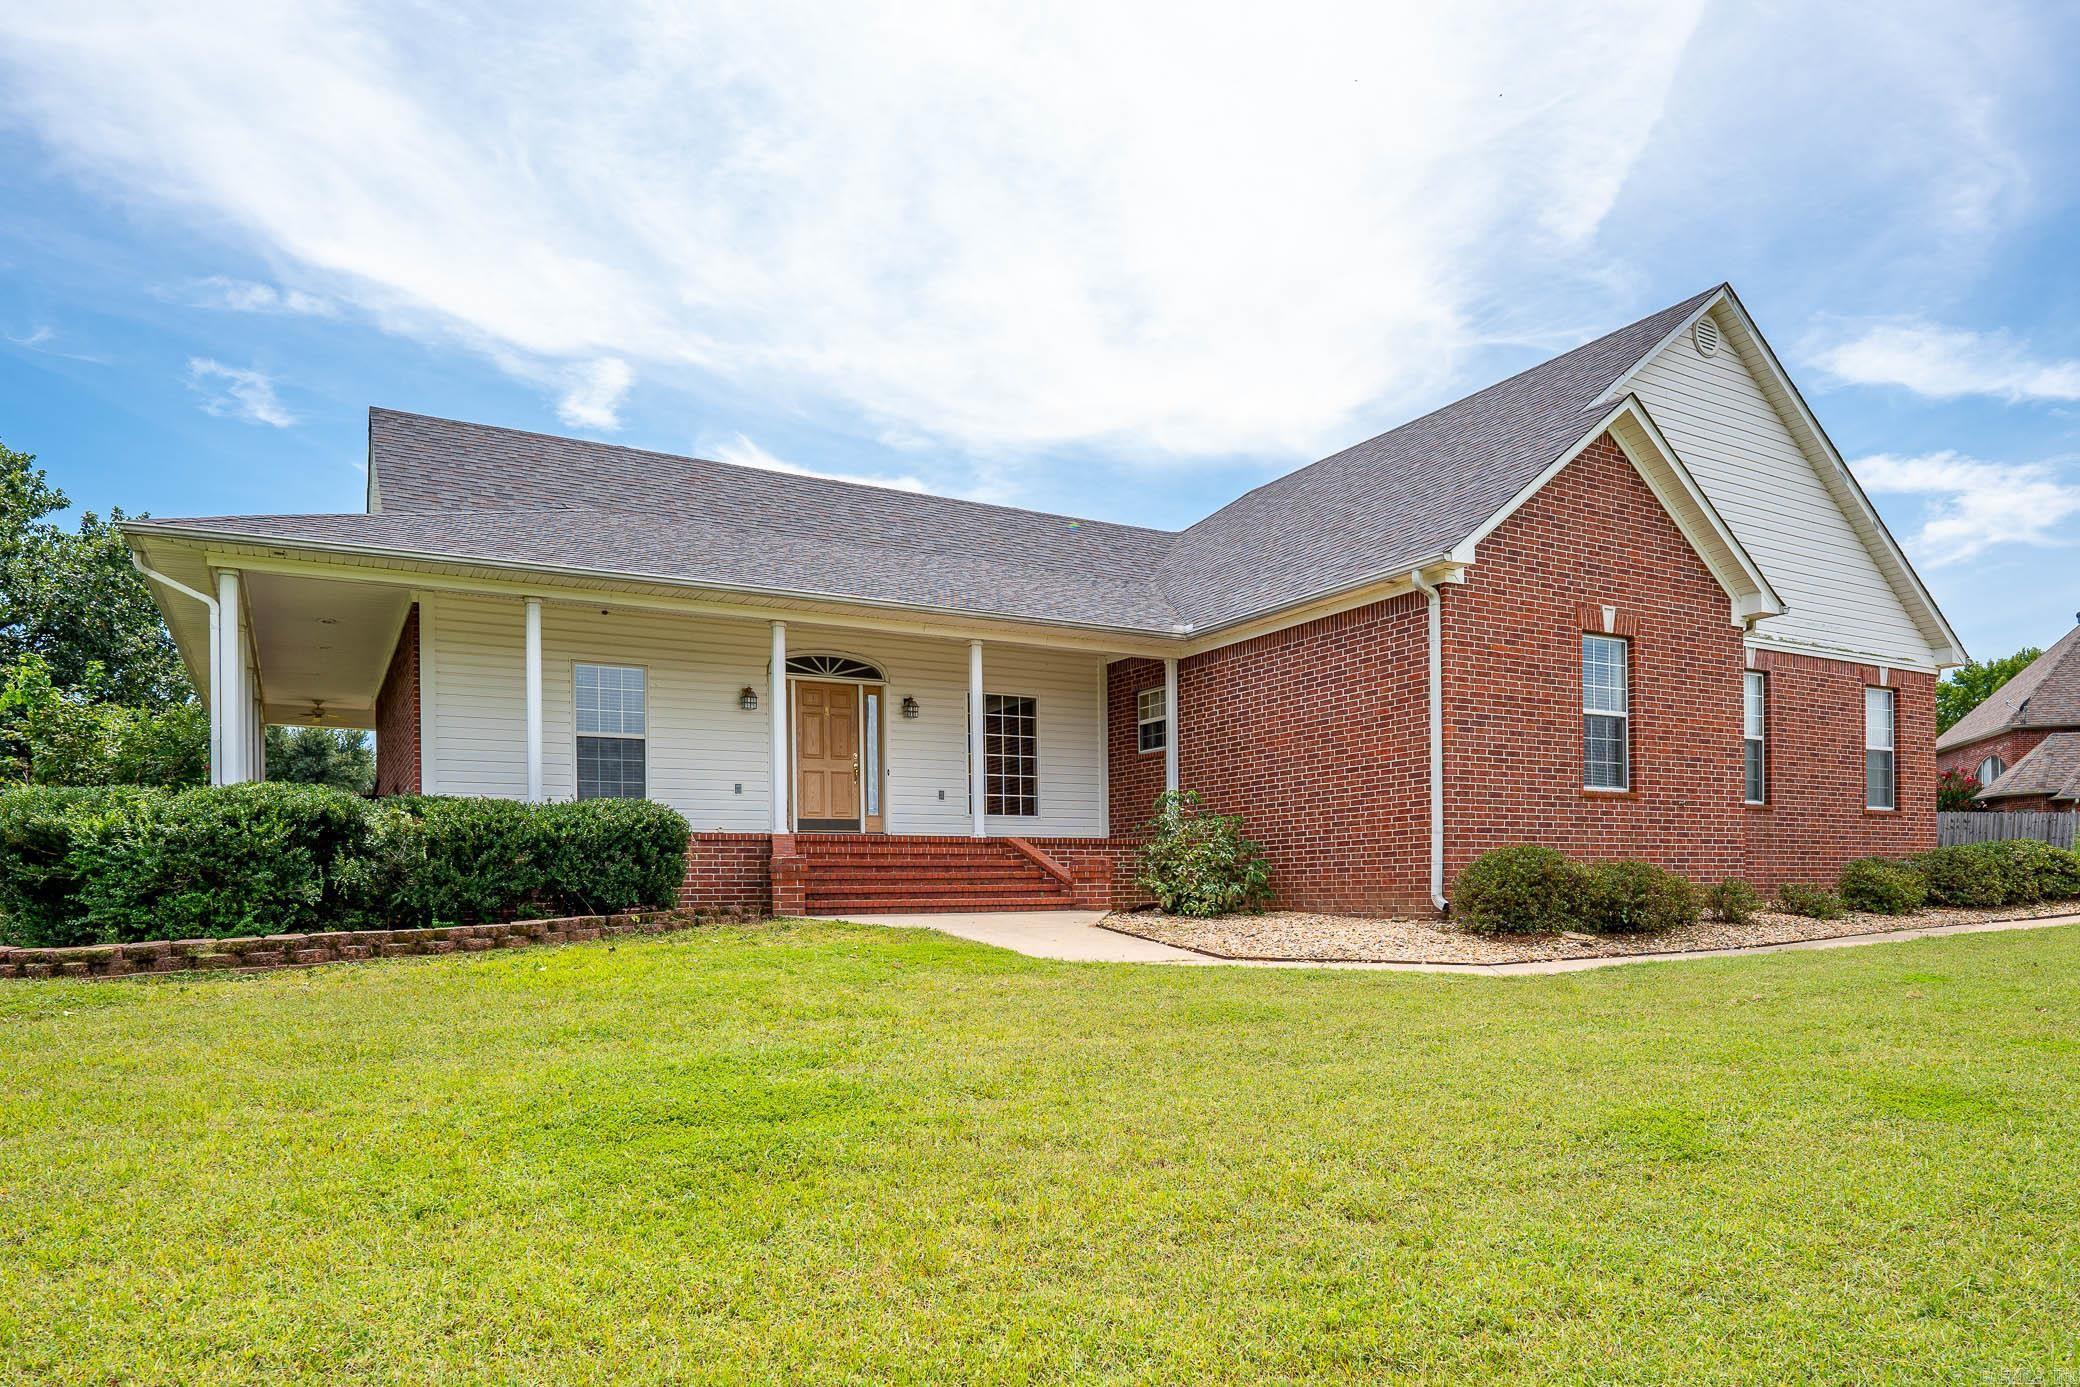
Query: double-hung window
[
  {"x": 1152, "y": 719},
  {"x": 1754, "y": 722},
  {"x": 1606, "y": 716},
  {"x": 1879, "y": 789},
  {"x": 611, "y": 730}
]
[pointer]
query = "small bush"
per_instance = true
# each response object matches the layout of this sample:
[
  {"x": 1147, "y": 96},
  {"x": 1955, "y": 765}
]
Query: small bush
[
  {"x": 1813, "y": 902},
  {"x": 1201, "y": 864},
  {"x": 1973, "y": 875},
  {"x": 1634, "y": 898},
  {"x": 1519, "y": 890},
  {"x": 2062, "y": 876},
  {"x": 2036, "y": 871},
  {"x": 1881, "y": 887},
  {"x": 1957, "y": 791},
  {"x": 1733, "y": 901}
]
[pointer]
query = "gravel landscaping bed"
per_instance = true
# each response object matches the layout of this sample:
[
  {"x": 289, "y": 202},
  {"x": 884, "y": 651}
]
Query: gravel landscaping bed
[{"x": 1290, "y": 934}]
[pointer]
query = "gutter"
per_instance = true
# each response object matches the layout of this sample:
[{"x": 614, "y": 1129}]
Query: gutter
[
  {"x": 216, "y": 643},
  {"x": 1436, "y": 600}
]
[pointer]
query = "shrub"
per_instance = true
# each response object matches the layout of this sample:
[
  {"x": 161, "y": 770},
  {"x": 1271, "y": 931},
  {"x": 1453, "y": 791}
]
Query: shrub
[
  {"x": 2036, "y": 871},
  {"x": 1881, "y": 887},
  {"x": 120, "y": 864},
  {"x": 2062, "y": 877},
  {"x": 1733, "y": 901},
  {"x": 1975, "y": 875},
  {"x": 1200, "y": 864},
  {"x": 1813, "y": 902},
  {"x": 1957, "y": 791},
  {"x": 1635, "y": 897},
  {"x": 1519, "y": 890}
]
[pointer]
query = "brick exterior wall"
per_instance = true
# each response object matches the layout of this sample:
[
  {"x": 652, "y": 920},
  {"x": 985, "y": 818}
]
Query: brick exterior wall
[
  {"x": 397, "y": 715},
  {"x": 1316, "y": 735},
  {"x": 1102, "y": 869},
  {"x": 1815, "y": 820},
  {"x": 2011, "y": 746},
  {"x": 728, "y": 872},
  {"x": 1137, "y": 776}
]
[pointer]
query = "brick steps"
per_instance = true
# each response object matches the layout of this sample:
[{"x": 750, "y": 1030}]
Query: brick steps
[{"x": 900, "y": 876}]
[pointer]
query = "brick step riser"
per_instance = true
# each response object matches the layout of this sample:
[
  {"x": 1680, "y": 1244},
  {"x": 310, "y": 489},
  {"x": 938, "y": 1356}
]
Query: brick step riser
[
  {"x": 931, "y": 906},
  {"x": 926, "y": 874},
  {"x": 950, "y": 889}
]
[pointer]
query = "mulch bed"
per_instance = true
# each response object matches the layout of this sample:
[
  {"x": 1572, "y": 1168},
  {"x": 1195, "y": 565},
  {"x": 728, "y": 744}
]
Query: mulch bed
[{"x": 1293, "y": 935}]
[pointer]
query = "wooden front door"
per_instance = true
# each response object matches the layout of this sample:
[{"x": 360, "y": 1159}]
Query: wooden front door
[{"x": 826, "y": 757}]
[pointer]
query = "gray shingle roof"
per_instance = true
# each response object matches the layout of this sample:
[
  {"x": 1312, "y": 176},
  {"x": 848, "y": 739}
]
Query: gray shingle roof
[
  {"x": 2051, "y": 767},
  {"x": 2045, "y": 694},
  {"x": 476, "y": 492}
]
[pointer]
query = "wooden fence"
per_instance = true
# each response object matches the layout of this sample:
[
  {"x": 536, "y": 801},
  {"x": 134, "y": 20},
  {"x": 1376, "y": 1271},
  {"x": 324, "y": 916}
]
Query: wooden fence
[{"x": 1968, "y": 827}]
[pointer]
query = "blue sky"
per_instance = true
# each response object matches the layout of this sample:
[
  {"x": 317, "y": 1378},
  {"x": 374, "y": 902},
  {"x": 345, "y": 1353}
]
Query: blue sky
[{"x": 1109, "y": 260}]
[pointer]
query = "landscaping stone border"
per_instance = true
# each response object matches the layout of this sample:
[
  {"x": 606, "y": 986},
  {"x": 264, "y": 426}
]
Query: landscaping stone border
[{"x": 265, "y": 953}]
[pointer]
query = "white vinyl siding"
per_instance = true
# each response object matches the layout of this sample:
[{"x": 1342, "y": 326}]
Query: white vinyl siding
[
  {"x": 1735, "y": 443},
  {"x": 1880, "y": 786},
  {"x": 701, "y": 745},
  {"x": 1754, "y": 733},
  {"x": 1606, "y": 715}
]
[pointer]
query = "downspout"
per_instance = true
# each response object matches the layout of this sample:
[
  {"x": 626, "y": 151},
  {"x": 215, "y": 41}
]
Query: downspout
[
  {"x": 1436, "y": 599},
  {"x": 216, "y": 712}
]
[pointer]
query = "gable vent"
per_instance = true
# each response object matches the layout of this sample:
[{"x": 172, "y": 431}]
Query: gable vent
[{"x": 1706, "y": 335}]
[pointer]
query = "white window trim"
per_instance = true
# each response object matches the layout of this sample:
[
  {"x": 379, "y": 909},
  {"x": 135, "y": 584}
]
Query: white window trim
[
  {"x": 1983, "y": 779},
  {"x": 1624, "y": 716},
  {"x": 1142, "y": 700},
  {"x": 1755, "y": 679},
  {"x": 1891, "y": 748},
  {"x": 1039, "y": 779},
  {"x": 643, "y": 736}
]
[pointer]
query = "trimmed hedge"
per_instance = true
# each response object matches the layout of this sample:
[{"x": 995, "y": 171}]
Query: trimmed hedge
[
  {"x": 1634, "y": 897},
  {"x": 1976, "y": 875},
  {"x": 1881, "y": 887},
  {"x": 121, "y": 865},
  {"x": 1518, "y": 890},
  {"x": 1733, "y": 901},
  {"x": 1813, "y": 902}
]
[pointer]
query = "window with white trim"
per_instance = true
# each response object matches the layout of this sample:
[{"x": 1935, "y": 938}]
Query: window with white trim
[
  {"x": 608, "y": 702},
  {"x": 1879, "y": 788},
  {"x": 1010, "y": 755},
  {"x": 1754, "y": 722},
  {"x": 1606, "y": 714},
  {"x": 1990, "y": 769},
  {"x": 1152, "y": 720}
]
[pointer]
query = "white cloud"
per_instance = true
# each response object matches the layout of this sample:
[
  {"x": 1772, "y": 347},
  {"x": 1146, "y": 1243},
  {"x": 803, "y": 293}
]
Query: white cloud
[
  {"x": 984, "y": 224},
  {"x": 237, "y": 393},
  {"x": 744, "y": 453},
  {"x": 1945, "y": 363},
  {"x": 245, "y": 296},
  {"x": 592, "y": 400},
  {"x": 1973, "y": 505},
  {"x": 43, "y": 338}
]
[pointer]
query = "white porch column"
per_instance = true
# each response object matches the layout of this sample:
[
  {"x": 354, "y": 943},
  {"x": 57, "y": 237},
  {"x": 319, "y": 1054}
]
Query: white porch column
[
  {"x": 978, "y": 768},
  {"x": 776, "y": 717},
  {"x": 534, "y": 700},
  {"x": 1170, "y": 727},
  {"x": 229, "y": 700}
]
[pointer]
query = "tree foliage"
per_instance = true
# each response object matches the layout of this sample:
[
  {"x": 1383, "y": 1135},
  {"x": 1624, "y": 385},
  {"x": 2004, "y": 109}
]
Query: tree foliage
[
  {"x": 71, "y": 598},
  {"x": 337, "y": 756},
  {"x": 1968, "y": 686},
  {"x": 55, "y": 736}
]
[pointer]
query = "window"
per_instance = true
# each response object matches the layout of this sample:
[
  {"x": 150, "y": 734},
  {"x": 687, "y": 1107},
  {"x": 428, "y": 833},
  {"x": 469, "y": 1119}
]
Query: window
[
  {"x": 1152, "y": 719},
  {"x": 609, "y": 701},
  {"x": 1010, "y": 747},
  {"x": 1754, "y": 718},
  {"x": 1990, "y": 769},
  {"x": 1606, "y": 764},
  {"x": 1878, "y": 787}
]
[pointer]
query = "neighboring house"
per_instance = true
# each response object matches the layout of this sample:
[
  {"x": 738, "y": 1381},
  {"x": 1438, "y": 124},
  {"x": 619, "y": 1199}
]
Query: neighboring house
[
  {"x": 2023, "y": 743},
  {"x": 1628, "y": 603}
]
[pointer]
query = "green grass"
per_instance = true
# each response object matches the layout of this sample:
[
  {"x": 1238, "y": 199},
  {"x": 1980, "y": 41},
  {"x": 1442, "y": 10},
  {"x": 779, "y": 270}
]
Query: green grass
[{"x": 803, "y": 1153}]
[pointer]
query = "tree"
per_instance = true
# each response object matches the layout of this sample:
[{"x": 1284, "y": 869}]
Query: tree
[
  {"x": 335, "y": 756},
  {"x": 72, "y": 599},
  {"x": 53, "y": 736},
  {"x": 1968, "y": 686}
]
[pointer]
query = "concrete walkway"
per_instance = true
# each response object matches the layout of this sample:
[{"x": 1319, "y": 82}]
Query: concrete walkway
[{"x": 1075, "y": 935}]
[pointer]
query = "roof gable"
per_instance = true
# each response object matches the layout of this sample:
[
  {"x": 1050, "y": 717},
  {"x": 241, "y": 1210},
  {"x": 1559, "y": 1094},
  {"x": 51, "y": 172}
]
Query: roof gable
[{"x": 2046, "y": 693}]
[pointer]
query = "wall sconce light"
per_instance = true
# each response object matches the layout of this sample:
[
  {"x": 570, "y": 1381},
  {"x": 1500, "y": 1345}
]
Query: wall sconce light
[
  {"x": 909, "y": 706},
  {"x": 748, "y": 700}
]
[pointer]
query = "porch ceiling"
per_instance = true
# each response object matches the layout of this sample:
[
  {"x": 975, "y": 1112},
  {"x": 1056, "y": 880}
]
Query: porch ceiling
[{"x": 323, "y": 646}]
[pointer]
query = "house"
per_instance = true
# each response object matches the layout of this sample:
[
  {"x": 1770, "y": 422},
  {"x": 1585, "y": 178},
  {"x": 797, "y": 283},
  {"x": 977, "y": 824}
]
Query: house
[
  {"x": 1628, "y": 602},
  {"x": 2023, "y": 743}
]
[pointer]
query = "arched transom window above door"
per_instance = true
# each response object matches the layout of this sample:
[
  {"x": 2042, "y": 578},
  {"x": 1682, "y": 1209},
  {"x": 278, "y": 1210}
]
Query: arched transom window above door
[{"x": 832, "y": 667}]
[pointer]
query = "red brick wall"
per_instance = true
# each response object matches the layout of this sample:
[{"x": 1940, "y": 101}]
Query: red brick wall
[
  {"x": 728, "y": 871},
  {"x": 1316, "y": 736},
  {"x": 1137, "y": 777},
  {"x": 2010, "y": 746},
  {"x": 1593, "y": 537},
  {"x": 397, "y": 715},
  {"x": 1815, "y": 820},
  {"x": 1102, "y": 869}
]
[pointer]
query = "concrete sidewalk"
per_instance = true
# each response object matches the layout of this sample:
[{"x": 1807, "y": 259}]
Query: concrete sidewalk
[{"x": 1076, "y": 935}]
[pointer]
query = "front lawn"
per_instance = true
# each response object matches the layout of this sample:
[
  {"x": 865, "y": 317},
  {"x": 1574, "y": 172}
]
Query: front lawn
[{"x": 798, "y": 1152}]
